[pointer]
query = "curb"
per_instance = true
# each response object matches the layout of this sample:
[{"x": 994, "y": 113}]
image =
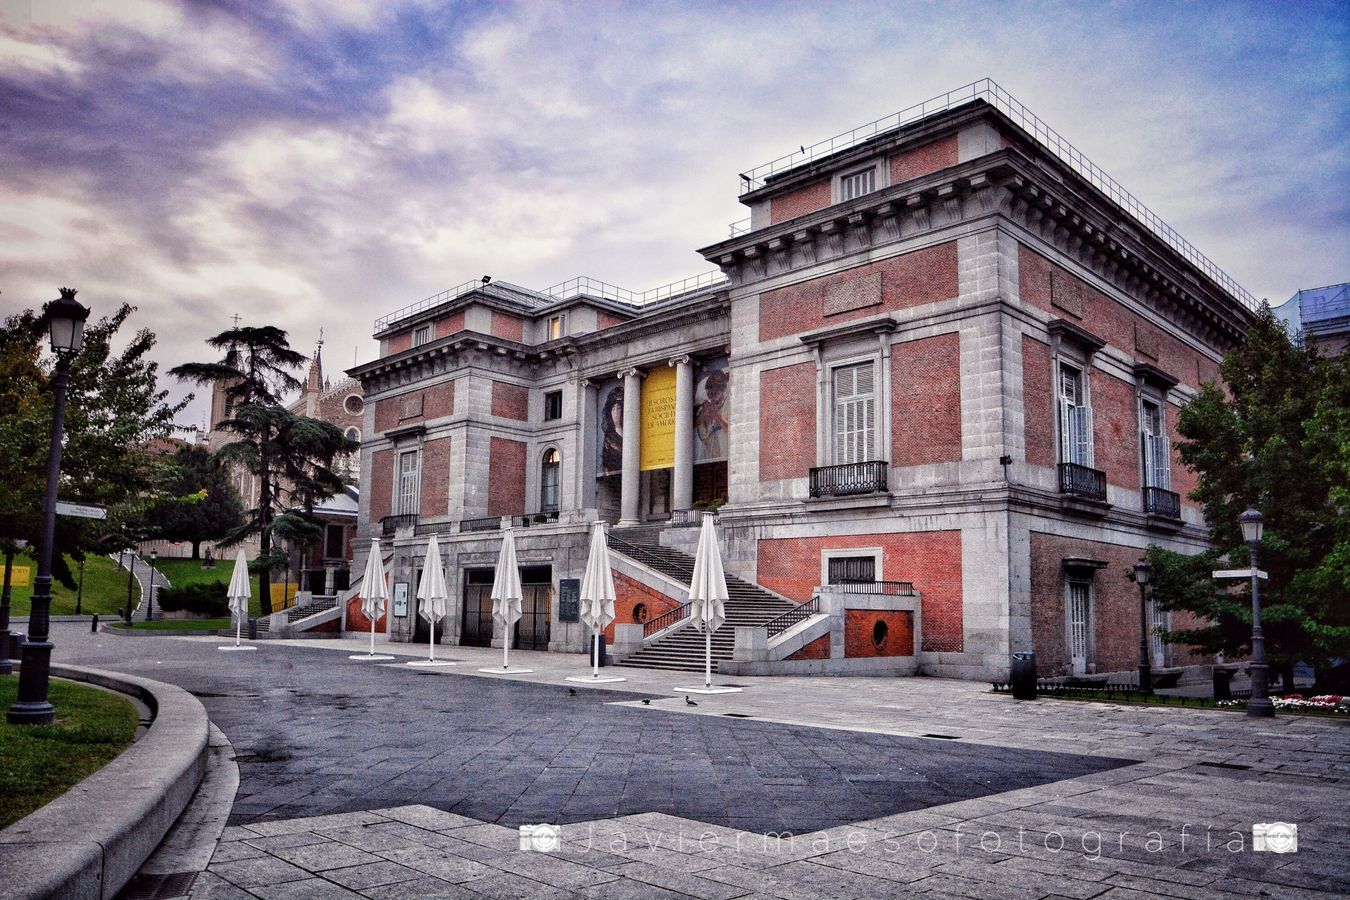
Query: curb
[
  {"x": 88, "y": 842},
  {"x": 159, "y": 632}
]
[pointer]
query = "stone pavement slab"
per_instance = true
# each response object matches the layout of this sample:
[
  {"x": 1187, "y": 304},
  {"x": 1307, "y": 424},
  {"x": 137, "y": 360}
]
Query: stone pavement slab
[{"x": 1176, "y": 821}]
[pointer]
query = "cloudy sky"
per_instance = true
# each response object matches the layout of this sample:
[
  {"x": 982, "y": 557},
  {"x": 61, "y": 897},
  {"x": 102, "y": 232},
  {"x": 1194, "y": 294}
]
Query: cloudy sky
[{"x": 316, "y": 163}]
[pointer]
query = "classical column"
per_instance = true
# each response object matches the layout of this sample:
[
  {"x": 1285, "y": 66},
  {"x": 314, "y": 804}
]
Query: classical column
[
  {"x": 682, "y": 479},
  {"x": 631, "y": 480}
]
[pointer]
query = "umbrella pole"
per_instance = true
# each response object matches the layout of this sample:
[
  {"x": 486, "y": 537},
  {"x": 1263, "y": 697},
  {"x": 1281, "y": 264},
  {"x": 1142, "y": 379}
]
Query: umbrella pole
[
  {"x": 595, "y": 655},
  {"x": 372, "y": 637},
  {"x": 432, "y": 648},
  {"x": 238, "y": 624},
  {"x": 506, "y": 647},
  {"x": 707, "y": 658}
]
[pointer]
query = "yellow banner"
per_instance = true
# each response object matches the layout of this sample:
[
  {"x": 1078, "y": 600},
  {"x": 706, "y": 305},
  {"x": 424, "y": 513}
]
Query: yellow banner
[
  {"x": 18, "y": 576},
  {"x": 283, "y": 596},
  {"x": 658, "y": 419}
]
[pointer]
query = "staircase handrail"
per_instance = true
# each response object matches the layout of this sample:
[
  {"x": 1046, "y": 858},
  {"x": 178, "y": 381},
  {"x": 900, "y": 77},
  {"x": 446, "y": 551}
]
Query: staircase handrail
[
  {"x": 665, "y": 620},
  {"x": 793, "y": 616},
  {"x": 641, "y": 554}
]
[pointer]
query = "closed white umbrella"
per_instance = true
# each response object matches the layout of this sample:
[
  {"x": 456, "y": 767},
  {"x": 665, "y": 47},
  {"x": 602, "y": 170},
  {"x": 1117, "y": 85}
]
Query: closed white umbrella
[
  {"x": 433, "y": 599},
  {"x": 374, "y": 593},
  {"x": 708, "y": 591},
  {"x": 239, "y": 593},
  {"x": 506, "y": 600},
  {"x": 597, "y": 594}
]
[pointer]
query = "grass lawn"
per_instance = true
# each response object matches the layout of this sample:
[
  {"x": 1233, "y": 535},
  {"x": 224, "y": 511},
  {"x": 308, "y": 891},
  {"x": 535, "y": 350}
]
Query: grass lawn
[
  {"x": 182, "y": 572},
  {"x": 40, "y": 762},
  {"x": 105, "y": 588}
]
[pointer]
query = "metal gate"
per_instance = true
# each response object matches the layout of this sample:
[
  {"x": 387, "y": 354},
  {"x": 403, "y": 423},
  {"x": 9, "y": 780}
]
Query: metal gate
[{"x": 477, "y": 617}]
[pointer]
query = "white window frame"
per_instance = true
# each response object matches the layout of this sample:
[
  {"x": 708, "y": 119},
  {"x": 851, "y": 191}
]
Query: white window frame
[
  {"x": 1155, "y": 449},
  {"x": 1159, "y": 620},
  {"x": 408, "y": 485},
  {"x": 561, "y": 320},
  {"x": 558, "y": 417},
  {"x": 881, "y": 178},
  {"x": 849, "y": 552},
  {"x": 1078, "y": 664},
  {"x": 422, "y": 334},
  {"x": 543, "y": 481},
  {"x": 870, "y": 434},
  {"x": 1073, "y": 421}
]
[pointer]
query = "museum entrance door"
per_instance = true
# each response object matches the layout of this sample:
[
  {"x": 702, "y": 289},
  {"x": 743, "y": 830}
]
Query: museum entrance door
[{"x": 477, "y": 616}]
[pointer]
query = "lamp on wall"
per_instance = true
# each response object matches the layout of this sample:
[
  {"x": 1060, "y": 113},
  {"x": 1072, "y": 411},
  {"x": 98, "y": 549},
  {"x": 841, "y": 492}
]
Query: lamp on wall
[{"x": 1141, "y": 574}]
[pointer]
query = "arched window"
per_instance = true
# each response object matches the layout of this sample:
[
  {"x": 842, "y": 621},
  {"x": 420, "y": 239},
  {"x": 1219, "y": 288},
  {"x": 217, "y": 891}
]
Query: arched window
[
  {"x": 550, "y": 480},
  {"x": 353, "y": 434}
]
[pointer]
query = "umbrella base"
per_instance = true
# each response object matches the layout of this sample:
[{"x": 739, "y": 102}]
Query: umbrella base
[
  {"x": 715, "y": 689},
  {"x": 429, "y": 663},
  {"x": 505, "y": 670},
  {"x": 594, "y": 679},
  {"x": 369, "y": 657},
  {"x": 240, "y": 647}
]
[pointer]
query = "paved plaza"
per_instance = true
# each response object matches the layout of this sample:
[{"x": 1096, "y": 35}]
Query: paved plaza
[{"x": 359, "y": 779}]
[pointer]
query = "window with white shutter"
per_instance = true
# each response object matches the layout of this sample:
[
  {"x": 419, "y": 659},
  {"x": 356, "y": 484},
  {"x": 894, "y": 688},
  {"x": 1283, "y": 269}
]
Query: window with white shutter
[
  {"x": 408, "y": 477},
  {"x": 1077, "y": 599},
  {"x": 857, "y": 184},
  {"x": 854, "y": 414},
  {"x": 1075, "y": 418},
  {"x": 1157, "y": 462}
]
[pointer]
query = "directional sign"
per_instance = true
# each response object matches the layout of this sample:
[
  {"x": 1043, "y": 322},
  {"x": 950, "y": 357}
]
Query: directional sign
[
  {"x": 83, "y": 512},
  {"x": 1238, "y": 573}
]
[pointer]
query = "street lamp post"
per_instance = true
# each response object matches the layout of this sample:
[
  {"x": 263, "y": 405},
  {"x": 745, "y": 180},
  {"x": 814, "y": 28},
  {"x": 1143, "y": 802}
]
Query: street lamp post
[
  {"x": 5, "y": 641},
  {"x": 1145, "y": 668},
  {"x": 65, "y": 322},
  {"x": 150, "y": 601},
  {"x": 131, "y": 579},
  {"x": 1259, "y": 706}
]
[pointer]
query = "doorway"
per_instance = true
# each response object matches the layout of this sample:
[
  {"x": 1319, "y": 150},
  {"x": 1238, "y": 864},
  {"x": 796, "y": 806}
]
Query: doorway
[
  {"x": 536, "y": 601},
  {"x": 477, "y": 616}
]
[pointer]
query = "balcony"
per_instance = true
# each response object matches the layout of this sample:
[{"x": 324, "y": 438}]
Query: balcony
[
  {"x": 391, "y": 524},
  {"x": 849, "y": 480},
  {"x": 1162, "y": 502},
  {"x": 1083, "y": 482}
]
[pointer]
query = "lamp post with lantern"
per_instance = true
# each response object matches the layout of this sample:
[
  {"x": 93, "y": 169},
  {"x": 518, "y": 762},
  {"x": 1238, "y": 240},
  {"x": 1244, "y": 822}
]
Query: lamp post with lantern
[
  {"x": 1145, "y": 668},
  {"x": 65, "y": 324},
  {"x": 150, "y": 601},
  {"x": 1259, "y": 706}
]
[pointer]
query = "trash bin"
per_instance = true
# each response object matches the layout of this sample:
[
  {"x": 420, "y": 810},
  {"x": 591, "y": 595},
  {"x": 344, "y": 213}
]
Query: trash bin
[
  {"x": 1223, "y": 684},
  {"x": 93, "y": 624},
  {"x": 252, "y": 629},
  {"x": 1024, "y": 676}
]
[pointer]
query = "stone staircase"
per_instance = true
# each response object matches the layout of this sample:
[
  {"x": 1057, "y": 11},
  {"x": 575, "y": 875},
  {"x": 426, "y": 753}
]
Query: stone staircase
[
  {"x": 683, "y": 649},
  {"x": 319, "y": 604}
]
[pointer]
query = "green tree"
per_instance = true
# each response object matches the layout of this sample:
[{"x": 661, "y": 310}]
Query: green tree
[
  {"x": 115, "y": 410},
  {"x": 1275, "y": 435},
  {"x": 292, "y": 456},
  {"x": 199, "y": 503}
]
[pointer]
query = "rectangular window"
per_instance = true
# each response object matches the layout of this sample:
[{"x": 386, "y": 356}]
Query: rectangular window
[
  {"x": 554, "y": 329},
  {"x": 552, "y": 406},
  {"x": 409, "y": 470},
  {"x": 854, "y": 414},
  {"x": 1075, "y": 418},
  {"x": 857, "y": 184},
  {"x": 422, "y": 335},
  {"x": 1077, "y": 598},
  {"x": 1157, "y": 462},
  {"x": 1158, "y": 621},
  {"x": 334, "y": 545},
  {"x": 852, "y": 569}
]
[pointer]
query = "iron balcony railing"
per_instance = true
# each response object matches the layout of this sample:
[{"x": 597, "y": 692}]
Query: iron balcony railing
[
  {"x": 425, "y": 529},
  {"x": 538, "y": 518},
  {"x": 391, "y": 524},
  {"x": 849, "y": 479},
  {"x": 793, "y": 616},
  {"x": 1081, "y": 481},
  {"x": 665, "y": 620},
  {"x": 503, "y": 289},
  {"x": 985, "y": 89},
  {"x": 1162, "y": 502},
  {"x": 889, "y": 588},
  {"x": 487, "y": 523}
]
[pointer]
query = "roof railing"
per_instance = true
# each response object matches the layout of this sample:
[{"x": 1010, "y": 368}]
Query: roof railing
[
  {"x": 986, "y": 89},
  {"x": 502, "y": 289}
]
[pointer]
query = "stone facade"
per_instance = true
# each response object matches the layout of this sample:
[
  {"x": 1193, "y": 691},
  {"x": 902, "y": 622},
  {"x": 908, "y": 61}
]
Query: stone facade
[{"x": 895, "y": 401}]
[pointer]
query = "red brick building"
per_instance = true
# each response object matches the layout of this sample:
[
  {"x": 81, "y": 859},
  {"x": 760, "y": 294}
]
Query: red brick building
[{"x": 937, "y": 368}]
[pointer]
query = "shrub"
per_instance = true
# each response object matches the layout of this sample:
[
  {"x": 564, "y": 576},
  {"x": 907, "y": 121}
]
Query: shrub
[{"x": 204, "y": 598}]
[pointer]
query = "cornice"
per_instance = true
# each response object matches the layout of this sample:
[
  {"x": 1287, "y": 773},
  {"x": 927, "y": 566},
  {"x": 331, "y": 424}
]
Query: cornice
[{"x": 1040, "y": 197}]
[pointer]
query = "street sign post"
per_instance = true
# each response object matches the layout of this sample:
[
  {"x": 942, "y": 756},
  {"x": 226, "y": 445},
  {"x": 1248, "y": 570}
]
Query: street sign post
[
  {"x": 1239, "y": 573},
  {"x": 79, "y": 511}
]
